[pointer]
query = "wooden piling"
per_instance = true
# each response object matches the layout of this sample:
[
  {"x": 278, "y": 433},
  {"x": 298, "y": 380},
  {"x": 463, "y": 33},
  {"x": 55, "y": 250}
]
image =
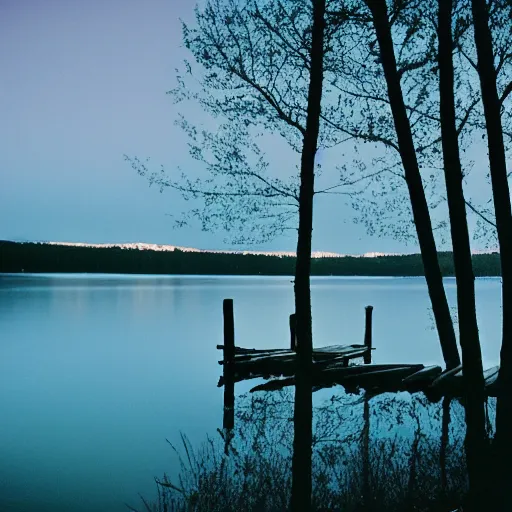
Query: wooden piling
[
  {"x": 368, "y": 334},
  {"x": 293, "y": 333},
  {"x": 229, "y": 359}
]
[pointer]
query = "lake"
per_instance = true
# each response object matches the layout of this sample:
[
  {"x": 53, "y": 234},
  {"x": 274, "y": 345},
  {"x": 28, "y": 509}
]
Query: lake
[{"x": 97, "y": 371}]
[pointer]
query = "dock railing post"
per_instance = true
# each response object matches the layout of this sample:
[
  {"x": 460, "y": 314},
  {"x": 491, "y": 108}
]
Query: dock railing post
[
  {"x": 228, "y": 422},
  {"x": 368, "y": 334},
  {"x": 293, "y": 333}
]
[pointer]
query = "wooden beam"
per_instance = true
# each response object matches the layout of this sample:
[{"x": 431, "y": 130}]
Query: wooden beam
[
  {"x": 368, "y": 334},
  {"x": 419, "y": 380}
]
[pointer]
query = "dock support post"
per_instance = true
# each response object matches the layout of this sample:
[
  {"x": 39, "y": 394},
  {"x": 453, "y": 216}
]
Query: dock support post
[
  {"x": 293, "y": 333},
  {"x": 228, "y": 422},
  {"x": 368, "y": 334}
]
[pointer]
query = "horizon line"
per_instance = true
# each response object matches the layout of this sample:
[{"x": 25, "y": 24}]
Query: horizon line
[{"x": 171, "y": 248}]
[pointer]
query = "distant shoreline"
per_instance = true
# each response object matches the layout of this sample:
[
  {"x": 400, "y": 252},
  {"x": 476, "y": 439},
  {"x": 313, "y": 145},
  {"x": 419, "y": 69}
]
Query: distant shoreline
[
  {"x": 98, "y": 275},
  {"x": 46, "y": 258}
]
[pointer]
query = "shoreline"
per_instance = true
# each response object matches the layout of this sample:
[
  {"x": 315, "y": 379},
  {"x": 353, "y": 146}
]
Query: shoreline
[
  {"x": 42, "y": 258},
  {"x": 217, "y": 276}
]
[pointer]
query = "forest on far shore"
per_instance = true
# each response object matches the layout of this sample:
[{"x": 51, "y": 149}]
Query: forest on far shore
[{"x": 45, "y": 258}]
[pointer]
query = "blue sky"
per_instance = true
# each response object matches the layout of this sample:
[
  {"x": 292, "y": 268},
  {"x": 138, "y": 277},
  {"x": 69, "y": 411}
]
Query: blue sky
[{"x": 83, "y": 82}]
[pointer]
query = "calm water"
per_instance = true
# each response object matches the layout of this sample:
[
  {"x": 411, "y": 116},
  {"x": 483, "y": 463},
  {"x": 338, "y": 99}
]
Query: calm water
[{"x": 97, "y": 371}]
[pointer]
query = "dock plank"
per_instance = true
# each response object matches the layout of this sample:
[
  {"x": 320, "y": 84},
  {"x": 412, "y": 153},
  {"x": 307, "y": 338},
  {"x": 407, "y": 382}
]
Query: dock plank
[
  {"x": 245, "y": 359},
  {"x": 491, "y": 377},
  {"x": 331, "y": 366},
  {"x": 381, "y": 377},
  {"x": 424, "y": 377},
  {"x": 442, "y": 380},
  {"x": 349, "y": 376}
]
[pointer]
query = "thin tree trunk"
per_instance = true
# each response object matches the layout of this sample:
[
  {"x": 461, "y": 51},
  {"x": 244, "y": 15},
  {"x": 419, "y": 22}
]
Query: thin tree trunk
[
  {"x": 445, "y": 434},
  {"x": 366, "y": 452},
  {"x": 302, "y": 442},
  {"x": 468, "y": 326},
  {"x": 501, "y": 196},
  {"x": 419, "y": 203}
]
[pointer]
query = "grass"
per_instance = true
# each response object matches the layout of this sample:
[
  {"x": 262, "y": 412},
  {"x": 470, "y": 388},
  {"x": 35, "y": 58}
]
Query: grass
[{"x": 400, "y": 454}]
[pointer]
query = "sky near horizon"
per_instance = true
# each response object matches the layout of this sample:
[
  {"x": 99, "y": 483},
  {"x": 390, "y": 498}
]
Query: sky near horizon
[{"x": 83, "y": 82}]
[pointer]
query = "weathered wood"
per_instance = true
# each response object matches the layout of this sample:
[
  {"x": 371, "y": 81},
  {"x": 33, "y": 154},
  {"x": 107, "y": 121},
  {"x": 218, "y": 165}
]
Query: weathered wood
[
  {"x": 293, "y": 332},
  {"x": 380, "y": 379},
  {"x": 267, "y": 365},
  {"x": 242, "y": 350},
  {"x": 368, "y": 368},
  {"x": 274, "y": 385},
  {"x": 279, "y": 368},
  {"x": 331, "y": 367},
  {"x": 439, "y": 385},
  {"x": 229, "y": 356},
  {"x": 321, "y": 354},
  {"x": 419, "y": 380},
  {"x": 242, "y": 354},
  {"x": 240, "y": 378},
  {"x": 491, "y": 376},
  {"x": 338, "y": 361},
  {"x": 336, "y": 349},
  {"x": 368, "y": 334},
  {"x": 388, "y": 379},
  {"x": 345, "y": 376},
  {"x": 334, "y": 361},
  {"x": 453, "y": 384},
  {"x": 428, "y": 373},
  {"x": 284, "y": 365},
  {"x": 249, "y": 357},
  {"x": 348, "y": 355}
]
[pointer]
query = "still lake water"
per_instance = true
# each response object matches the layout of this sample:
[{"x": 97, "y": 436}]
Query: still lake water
[{"x": 97, "y": 371}]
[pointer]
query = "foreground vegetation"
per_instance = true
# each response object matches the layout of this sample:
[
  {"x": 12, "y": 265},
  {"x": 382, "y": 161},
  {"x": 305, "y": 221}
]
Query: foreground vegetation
[
  {"x": 394, "y": 465},
  {"x": 40, "y": 257}
]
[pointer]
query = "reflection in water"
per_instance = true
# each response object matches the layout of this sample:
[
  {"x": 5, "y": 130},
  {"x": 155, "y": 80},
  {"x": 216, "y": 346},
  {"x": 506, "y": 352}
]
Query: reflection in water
[
  {"x": 389, "y": 453},
  {"x": 97, "y": 371}
]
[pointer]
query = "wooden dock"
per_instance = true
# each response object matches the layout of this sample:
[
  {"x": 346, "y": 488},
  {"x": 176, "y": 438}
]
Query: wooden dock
[{"x": 349, "y": 366}]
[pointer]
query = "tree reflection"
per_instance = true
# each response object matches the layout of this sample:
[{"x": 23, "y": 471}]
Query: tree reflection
[{"x": 388, "y": 452}]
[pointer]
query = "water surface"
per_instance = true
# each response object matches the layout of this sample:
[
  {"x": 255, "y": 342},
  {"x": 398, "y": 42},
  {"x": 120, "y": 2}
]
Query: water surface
[{"x": 96, "y": 371}]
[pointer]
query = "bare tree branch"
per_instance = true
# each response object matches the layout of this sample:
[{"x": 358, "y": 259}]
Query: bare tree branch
[
  {"x": 506, "y": 92},
  {"x": 480, "y": 214}
]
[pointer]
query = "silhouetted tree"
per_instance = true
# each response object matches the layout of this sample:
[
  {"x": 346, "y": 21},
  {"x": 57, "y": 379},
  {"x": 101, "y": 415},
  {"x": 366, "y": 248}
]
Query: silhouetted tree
[
  {"x": 302, "y": 442},
  {"x": 413, "y": 179},
  {"x": 255, "y": 88},
  {"x": 247, "y": 50},
  {"x": 254, "y": 59},
  {"x": 468, "y": 326},
  {"x": 492, "y": 103},
  {"x": 385, "y": 208},
  {"x": 258, "y": 62},
  {"x": 501, "y": 32}
]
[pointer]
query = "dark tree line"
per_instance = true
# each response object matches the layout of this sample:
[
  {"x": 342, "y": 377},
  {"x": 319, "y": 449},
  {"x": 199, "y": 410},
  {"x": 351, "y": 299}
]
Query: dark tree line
[{"x": 44, "y": 258}]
